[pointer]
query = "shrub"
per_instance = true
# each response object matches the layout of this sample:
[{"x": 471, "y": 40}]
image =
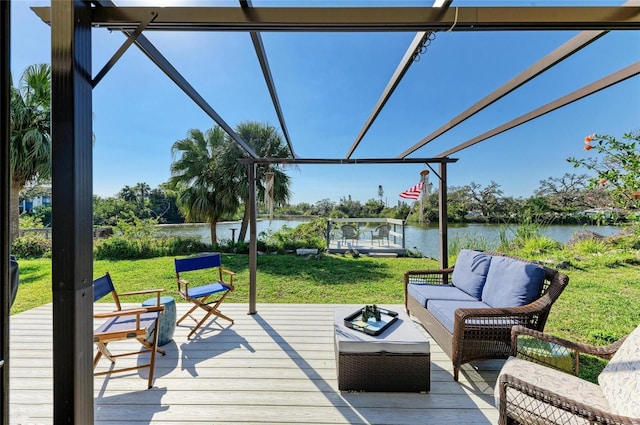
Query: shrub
[
  {"x": 305, "y": 235},
  {"x": 121, "y": 248},
  {"x": 617, "y": 168},
  {"x": 469, "y": 241},
  {"x": 590, "y": 246},
  {"x": 538, "y": 245},
  {"x": 31, "y": 246}
]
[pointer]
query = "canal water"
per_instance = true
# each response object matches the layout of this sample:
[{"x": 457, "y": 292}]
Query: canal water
[{"x": 422, "y": 239}]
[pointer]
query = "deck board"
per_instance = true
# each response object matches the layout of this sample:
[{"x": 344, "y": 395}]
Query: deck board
[{"x": 275, "y": 367}]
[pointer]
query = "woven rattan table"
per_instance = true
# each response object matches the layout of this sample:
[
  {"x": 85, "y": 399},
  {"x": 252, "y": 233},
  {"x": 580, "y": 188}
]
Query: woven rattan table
[{"x": 398, "y": 360}]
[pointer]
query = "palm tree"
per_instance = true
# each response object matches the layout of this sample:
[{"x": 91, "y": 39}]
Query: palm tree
[
  {"x": 30, "y": 142},
  {"x": 143, "y": 189},
  {"x": 266, "y": 142},
  {"x": 128, "y": 194},
  {"x": 207, "y": 189}
]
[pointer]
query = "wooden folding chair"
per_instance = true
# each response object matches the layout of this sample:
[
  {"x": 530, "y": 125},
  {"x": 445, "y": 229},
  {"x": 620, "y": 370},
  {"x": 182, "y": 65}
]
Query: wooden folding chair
[
  {"x": 200, "y": 295},
  {"x": 140, "y": 323}
]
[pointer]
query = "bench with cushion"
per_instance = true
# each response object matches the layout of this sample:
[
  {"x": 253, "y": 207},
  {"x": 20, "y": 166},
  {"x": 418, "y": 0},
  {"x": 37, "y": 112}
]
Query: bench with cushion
[{"x": 469, "y": 309}]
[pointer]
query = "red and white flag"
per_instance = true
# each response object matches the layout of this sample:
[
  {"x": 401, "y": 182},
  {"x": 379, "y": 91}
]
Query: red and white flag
[{"x": 413, "y": 192}]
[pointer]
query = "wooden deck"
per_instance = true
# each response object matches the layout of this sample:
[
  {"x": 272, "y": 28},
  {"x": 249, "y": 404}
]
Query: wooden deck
[{"x": 274, "y": 367}]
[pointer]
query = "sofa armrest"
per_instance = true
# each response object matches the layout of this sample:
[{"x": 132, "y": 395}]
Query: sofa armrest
[
  {"x": 495, "y": 323},
  {"x": 428, "y": 277}
]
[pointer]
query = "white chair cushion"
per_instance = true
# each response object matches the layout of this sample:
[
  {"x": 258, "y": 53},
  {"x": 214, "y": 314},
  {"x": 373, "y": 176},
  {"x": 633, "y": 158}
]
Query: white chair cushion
[
  {"x": 551, "y": 380},
  {"x": 620, "y": 379}
]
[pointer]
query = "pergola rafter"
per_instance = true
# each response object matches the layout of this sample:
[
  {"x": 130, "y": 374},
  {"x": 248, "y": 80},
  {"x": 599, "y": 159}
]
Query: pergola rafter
[
  {"x": 360, "y": 19},
  {"x": 261, "y": 53},
  {"x": 405, "y": 63},
  {"x": 572, "y": 46},
  {"x": 601, "y": 84}
]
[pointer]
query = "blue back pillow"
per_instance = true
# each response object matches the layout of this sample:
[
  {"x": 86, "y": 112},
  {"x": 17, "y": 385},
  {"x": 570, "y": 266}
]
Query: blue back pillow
[
  {"x": 470, "y": 272},
  {"x": 512, "y": 283}
]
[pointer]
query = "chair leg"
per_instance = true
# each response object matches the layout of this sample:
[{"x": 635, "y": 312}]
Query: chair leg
[
  {"x": 211, "y": 309},
  {"x": 200, "y": 323},
  {"x": 188, "y": 314},
  {"x": 154, "y": 348},
  {"x": 102, "y": 351}
]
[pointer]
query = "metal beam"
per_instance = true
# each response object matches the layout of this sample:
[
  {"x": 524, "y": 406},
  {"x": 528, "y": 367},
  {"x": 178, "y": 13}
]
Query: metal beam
[
  {"x": 443, "y": 221},
  {"x": 418, "y": 43},
  {"x": 170, "y": 71},
  {"x": 615, "y": 78},
  {"x": 256, "y": 38},
  {"x": 118, "y": 54},
  {"x": 334, "y": 19},
  {"x": 558, "y": 55},
  {"x": 72, "y": 188},
  {"x": 5, "y": 204},
  {"x": 409, "y": 56},
  {"x": 342, "y": 161},
  {"x": 253, "y": 239}
]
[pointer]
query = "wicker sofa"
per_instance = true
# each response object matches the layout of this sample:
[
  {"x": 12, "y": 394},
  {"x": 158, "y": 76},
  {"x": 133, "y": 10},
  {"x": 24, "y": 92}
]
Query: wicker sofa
[
  {"x": 469, "y": 309},
  {"x": 531, "y": 391}
]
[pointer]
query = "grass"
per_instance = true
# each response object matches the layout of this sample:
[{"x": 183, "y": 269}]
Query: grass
[
  {"x": 281, "y": 279},
  {"x": 599, "y": 306}
]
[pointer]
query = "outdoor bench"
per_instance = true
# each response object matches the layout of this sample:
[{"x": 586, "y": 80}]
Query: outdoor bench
[{"x": 469, "y": 309}]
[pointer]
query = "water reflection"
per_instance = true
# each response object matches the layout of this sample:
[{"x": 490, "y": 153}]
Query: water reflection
[{"x": 418, "y": 238}]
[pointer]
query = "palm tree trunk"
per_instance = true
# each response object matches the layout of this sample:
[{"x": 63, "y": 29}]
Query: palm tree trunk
[
  {"x": 214, "y": 235},
  {"x": 245, "y": 224},
  {"x": 14, "y": 226}
]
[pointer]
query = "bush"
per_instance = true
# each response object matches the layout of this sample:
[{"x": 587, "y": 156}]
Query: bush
[
  {"x": 31, "y": 246},
  {"x": 590, "y": 246},
  {"x": 539, "y": 245},
  {"x": 122, "y": 248},
  {"x": 305, "y": 235},
  {"x": 469, "y": 241}
]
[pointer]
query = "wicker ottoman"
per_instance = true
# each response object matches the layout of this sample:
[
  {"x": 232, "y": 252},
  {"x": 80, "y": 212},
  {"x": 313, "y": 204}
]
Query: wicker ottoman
[{"x": 398, "y": 360}]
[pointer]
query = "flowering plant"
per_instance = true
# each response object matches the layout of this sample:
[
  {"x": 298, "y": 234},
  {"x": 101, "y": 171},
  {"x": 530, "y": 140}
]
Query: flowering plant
[{"x": 617, "y": 168}]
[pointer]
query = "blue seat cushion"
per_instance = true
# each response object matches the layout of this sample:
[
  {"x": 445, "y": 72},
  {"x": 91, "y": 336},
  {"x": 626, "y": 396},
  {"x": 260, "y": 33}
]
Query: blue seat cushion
[
  {"x": 127, "y": 322},
  {"x": 424, "y": 293},
  {"x": 470, "y": 272},
  {"x": 204, "y": 290},
  {"x": 512, "y": 283},
  {"x": 444, "y": 310}
]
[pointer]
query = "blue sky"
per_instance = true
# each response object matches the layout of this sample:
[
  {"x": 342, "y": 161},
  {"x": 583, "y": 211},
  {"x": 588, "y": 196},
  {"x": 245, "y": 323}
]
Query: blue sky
[{"x": 328, "y": 85}]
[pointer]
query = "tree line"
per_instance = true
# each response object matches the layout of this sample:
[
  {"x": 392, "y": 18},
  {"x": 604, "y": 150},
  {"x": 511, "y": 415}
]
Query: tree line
[{"x": 208, "y": 183}]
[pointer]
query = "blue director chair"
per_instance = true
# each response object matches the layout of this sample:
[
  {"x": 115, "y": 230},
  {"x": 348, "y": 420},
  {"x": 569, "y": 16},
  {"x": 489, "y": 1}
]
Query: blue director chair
[
  {"x": 124, "y": 324},
  {"x": 202, "y": 295}
]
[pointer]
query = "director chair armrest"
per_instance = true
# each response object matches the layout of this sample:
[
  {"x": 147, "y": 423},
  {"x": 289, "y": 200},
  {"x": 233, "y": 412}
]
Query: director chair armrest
[
  {"x": 146, "y": 291},
  {"x": 126, "y": 312}
]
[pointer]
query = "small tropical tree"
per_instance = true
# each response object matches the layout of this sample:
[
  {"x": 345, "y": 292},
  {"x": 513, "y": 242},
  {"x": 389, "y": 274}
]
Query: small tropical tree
[
  {"x": 207, "y": 192},
  {"x": 266, "y": 142},
  {"x": 30, "y": 143},
  {"x": 617, "y": 169}
]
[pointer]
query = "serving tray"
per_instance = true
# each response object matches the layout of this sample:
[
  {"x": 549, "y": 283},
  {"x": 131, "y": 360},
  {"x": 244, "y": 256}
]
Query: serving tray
[{"x": 372, "y": 326}]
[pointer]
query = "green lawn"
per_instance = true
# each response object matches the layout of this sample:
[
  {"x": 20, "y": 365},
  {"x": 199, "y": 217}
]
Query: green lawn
[{"x": 600, "y": 305}]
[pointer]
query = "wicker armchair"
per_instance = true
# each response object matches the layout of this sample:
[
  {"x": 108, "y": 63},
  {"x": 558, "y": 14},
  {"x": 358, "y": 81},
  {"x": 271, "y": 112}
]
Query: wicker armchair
[
  {"x": 481, "y": 333},
  {"x": 532, "y": 390}
]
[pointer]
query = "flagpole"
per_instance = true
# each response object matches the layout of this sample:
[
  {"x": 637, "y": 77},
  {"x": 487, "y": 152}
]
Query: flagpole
[{"x": 424, "y": 179}]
